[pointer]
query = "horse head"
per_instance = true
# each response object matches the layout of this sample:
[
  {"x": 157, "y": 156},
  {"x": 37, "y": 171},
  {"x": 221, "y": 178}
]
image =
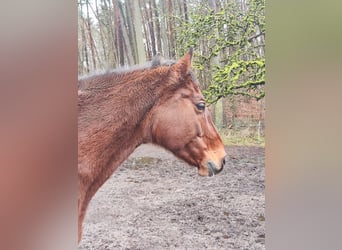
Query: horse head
[{"x": 181, "y": 121}]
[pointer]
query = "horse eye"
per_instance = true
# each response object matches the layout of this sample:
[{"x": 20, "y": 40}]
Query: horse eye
[{"x": 200, "y": 105}]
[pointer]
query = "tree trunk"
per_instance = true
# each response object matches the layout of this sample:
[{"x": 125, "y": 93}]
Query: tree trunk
[
  {"x": 129, "y": 16},
  {"x": 145, "y": 18},
  {"x": 216, "y": 61},
  {"x": 84, "y": 43},
  {"x": 151, "y": 28},
  {"x": 138, "y": 32},
  {"x": 110, "y": 34},
  {"x": 185, "y": 11},
  {"x": 126, "y": 41},
  {"x": 224, "y": 113},
  {"x": 80, "y": 61},
  {"x": 171, "y": 31},
  {"x": 105, "y": 56},
  {"x": 157, "y": 25},
  {"x": 118, "y": 32},
  {"x": 163, "y": 26},
  {"x": 91, "y": 40}
]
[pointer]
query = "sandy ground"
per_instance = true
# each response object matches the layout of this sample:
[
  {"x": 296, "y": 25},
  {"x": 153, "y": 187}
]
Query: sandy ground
[{"x": 156, "y": 201}]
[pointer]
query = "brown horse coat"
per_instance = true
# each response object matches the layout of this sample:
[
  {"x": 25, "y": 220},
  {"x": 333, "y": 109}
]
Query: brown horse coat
[{"x": 161, "y": 104}]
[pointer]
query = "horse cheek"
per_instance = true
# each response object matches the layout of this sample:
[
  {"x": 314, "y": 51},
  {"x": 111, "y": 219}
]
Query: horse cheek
[
  {"x": 167, "y": 135},
  {"x": 172, "y": 138}
]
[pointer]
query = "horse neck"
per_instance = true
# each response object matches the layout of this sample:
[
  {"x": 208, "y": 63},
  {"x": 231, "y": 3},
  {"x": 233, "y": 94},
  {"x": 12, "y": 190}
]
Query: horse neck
[
  {"x": 117, "y": 117},
  {"x": 138, "y": 94}
]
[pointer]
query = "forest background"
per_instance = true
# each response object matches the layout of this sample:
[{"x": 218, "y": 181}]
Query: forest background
[{"x": 228, "y": 37}]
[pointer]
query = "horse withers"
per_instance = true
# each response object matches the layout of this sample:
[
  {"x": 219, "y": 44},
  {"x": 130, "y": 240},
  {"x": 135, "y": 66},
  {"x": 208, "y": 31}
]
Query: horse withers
[{"x": 160, "y": 104}]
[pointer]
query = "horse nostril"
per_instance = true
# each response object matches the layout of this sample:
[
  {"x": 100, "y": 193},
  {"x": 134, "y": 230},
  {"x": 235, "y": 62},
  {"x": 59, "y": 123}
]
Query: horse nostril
[{"x": 223, "y": 161}]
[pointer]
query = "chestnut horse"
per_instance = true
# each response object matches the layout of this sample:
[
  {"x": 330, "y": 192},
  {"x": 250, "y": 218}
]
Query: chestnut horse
[{"x": 161, "y": 104}]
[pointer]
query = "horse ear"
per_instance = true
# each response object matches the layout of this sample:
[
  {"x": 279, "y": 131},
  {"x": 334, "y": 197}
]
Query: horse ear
[{"x": 184, "y": 64}]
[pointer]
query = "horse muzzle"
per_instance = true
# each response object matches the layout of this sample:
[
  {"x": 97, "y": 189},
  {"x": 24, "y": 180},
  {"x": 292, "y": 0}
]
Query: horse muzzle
[{"x": 213, "y": 169}]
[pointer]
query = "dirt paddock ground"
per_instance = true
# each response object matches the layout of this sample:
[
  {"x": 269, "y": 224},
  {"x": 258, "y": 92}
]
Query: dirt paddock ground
[{"x": 156, "y": 201}]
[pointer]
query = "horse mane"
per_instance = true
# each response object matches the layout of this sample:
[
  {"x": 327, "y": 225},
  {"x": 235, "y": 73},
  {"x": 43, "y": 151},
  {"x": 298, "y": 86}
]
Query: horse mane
[{"x": 92, "y": 81}]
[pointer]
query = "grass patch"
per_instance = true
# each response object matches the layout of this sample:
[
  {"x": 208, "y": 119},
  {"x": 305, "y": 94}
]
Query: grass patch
[{"x": 241, "y": 138}]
